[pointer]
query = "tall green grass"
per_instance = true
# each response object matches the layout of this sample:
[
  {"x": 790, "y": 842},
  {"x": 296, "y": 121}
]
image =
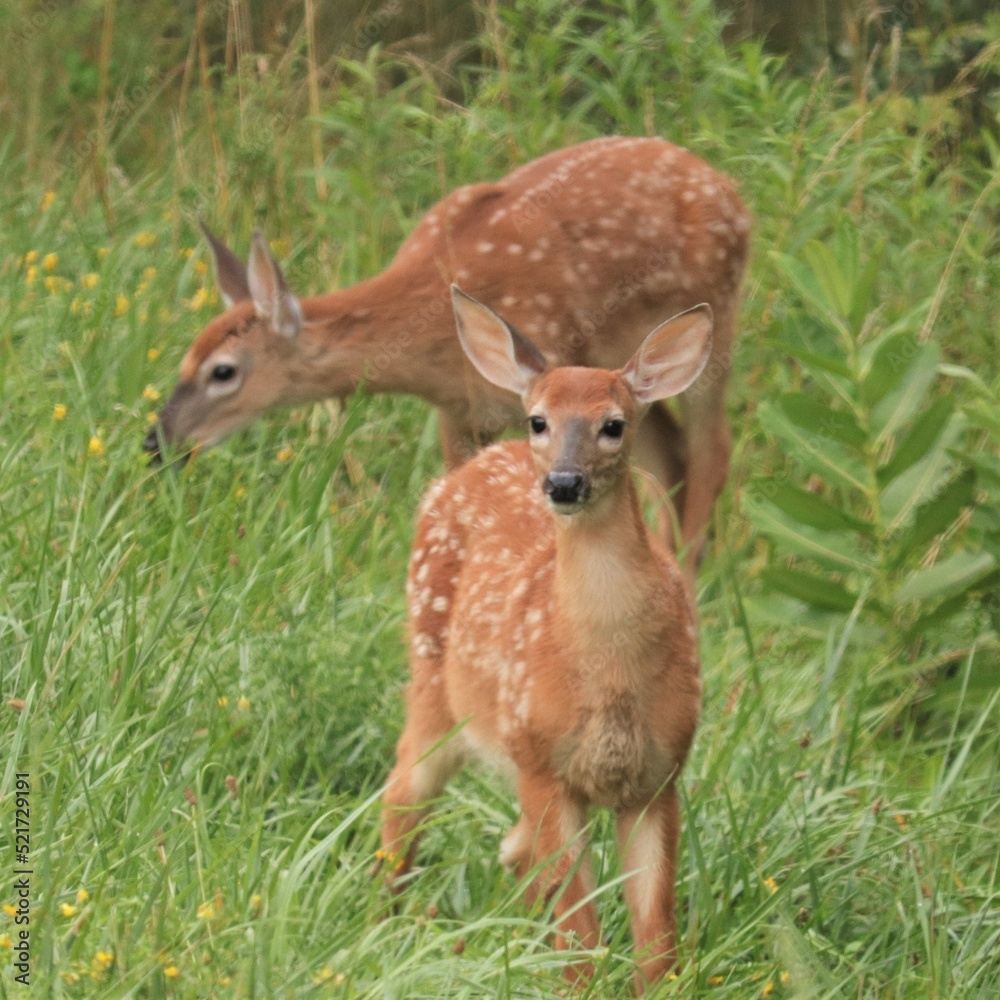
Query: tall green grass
[{"x": 201, "y": 670}]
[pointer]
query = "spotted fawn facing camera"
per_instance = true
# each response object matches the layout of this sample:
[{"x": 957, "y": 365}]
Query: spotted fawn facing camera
[{"x": 552, "y": 635}]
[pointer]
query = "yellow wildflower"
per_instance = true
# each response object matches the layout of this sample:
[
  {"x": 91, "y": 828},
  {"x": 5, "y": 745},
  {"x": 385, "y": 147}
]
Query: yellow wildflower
[
  {"x": 768, "y": 988},
  {"x": 59, "y": 411},
  {"x": 771, "y": 884},
  {"x": 5, "y": 942},
  {"x": 200, "y": 267},
  {"x": 323, "y": 976},
  {"x": 145, "y": 239},
  {"x": 185, "y": 252},
  {"x": 30, "y": 257},
  {"x": 285, "y": 454},
  {"x": 53, "y": 284},
  {"x": 222, "y": 701},
  {"x": 151, "y": 393},
  {"x": 95, "y": 448},
  {"x": 67, "y": 909},
  {"x": 90, "y": 280},
  {"x": 104, "y": 958},
  {"x": 900, "y": 821},
  {"x": 199, "y": 298},
  {"x": 11, "y": 911},
  {"x": 152, "y": 354},
  {"x": 206, "y": 911},
  {"x": 31, "y": 274},
  {"x": 151, "y": 418},
  {"x": 148, "y": 273},
  {"x": 102, "y": 252},
  {"x": 171, "y": 972},
  {"x": 243, "y": 704},
  {"x": 715, "y": 980},
  {"x": 50, "y": 261},
  {"x": 47, "y": 199},
  {"x": 121, "y": 304},
  {"x": 786, "y": 978},
  {"x": 82, "y": 895}
]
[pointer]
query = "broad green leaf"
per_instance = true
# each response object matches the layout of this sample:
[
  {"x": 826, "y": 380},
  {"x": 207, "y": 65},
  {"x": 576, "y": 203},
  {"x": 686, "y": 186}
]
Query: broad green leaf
[
  {"x": 831, "y": 549},
  {"x": 805, "y": 282},
  {"x": 918, "y": 442},
  {"x": 953, "y": 575},
  {"x": 807, "y": 508},
  {"x": 900, "y": 499},
  {"x": 813, "y": 415},
  {"x": 820, "y": 593},
  {"x": 812, "y": 361},
  {"x": 939, "y": 512},
  {"x": 890, "y": 360},
  {"x": 824, "y": 456},
  {"x": 829, "y": 276},
  {"x": 863, "y": 294},
  {"x": 898, "y": 406}
]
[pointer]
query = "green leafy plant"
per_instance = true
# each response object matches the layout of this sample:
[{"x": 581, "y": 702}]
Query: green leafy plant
[{"x": 878, "y": 503}]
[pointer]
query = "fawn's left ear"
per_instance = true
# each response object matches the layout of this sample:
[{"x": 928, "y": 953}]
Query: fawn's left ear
[
  {"x": 500, "y": 354},
  {"x": 271, "y": 297},
  {"x": 672, "y": 356}
]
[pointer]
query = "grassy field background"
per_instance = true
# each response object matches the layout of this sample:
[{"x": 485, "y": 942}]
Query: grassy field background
[{"x": 202, "y": 671}]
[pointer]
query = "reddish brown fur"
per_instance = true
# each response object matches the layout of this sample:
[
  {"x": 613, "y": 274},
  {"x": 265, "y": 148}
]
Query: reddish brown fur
[
  {"x": 584, "y": 250},
  {"x": 563, "y": 649}
]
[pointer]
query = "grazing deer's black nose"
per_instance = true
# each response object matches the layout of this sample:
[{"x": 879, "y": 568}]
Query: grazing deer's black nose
[
  {"x": 151, "y": 443},
  {"x": 566, "y": 486}
]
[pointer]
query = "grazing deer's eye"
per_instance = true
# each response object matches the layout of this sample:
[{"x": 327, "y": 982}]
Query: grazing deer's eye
[
  {"x": 613, "y": 428},
  {"x": 537, "y": 424},
  {"x": 223, "y": 373}
]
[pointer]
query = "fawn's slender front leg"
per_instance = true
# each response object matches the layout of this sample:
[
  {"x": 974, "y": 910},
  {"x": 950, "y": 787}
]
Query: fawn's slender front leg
[
  {"x": 550, "y": 831},
  {"x": 647, "y": 841}
]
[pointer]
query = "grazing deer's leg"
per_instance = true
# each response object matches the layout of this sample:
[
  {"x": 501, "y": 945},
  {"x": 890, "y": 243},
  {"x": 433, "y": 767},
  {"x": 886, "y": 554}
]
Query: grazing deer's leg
[
  {"x": 659, "y": 450},
  {"x": 706, "y": 426},
  {"x": 648, "y": 846},
  {"x": 426, "y": 757},
  {"x": 458, "y": 440},
  {"x": 551, "y": 831}
]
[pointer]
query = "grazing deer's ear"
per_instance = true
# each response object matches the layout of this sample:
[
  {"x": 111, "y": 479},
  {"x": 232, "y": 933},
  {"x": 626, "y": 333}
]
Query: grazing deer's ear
[
  {"x": 230, "y": 271},
  {"x": 672, "y": 356},
  {"x": 271, "y": 297},
  {"x": 500, "y": 354}
]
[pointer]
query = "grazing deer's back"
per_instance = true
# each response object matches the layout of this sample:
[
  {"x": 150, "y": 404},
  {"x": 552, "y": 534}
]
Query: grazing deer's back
[{"x": 586, "y": 248}]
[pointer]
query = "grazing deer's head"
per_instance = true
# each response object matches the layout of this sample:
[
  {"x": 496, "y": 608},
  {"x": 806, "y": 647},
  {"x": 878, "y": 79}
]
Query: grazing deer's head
[
  {"x": 581, "y": 421},
  {"x": 240, "y": 365}
]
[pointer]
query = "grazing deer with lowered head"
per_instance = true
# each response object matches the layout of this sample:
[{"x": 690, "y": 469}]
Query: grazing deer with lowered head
[
  {"x": 585, "y": 250},
  {"x": 552, "y": 634}
]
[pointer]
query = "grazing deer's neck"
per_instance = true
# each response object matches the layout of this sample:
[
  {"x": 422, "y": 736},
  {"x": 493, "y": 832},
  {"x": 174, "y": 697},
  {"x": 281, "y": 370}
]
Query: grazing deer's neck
[{"x": 364, "y": 336}]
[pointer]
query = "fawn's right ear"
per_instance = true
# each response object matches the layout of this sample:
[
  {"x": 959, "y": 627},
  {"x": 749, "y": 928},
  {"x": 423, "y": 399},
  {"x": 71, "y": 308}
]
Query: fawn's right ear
[
  {"x": 230, "y": 271},
  {"x": 500, "y": 354},
  {"x": 672, "y": 356}
]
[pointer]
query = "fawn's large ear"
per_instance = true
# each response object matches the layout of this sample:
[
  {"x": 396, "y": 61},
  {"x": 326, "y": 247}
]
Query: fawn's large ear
[
  {"x": 672, "y": 356},
  {"x": 500, "y": 354},
  {"x": 230, "y": 271},
  {"x": 271, "y": 297}
]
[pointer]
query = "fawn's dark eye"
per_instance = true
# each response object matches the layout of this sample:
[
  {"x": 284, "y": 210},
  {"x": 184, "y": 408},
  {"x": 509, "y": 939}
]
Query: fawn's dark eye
[
  {"x": 223, "y": 373},
  {"x": 538, "y": 425},
  {"x": 613, "y": 428}
]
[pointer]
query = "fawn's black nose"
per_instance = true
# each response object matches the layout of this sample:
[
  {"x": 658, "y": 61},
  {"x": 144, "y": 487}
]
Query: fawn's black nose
[{"x": 566, "y": 486}]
